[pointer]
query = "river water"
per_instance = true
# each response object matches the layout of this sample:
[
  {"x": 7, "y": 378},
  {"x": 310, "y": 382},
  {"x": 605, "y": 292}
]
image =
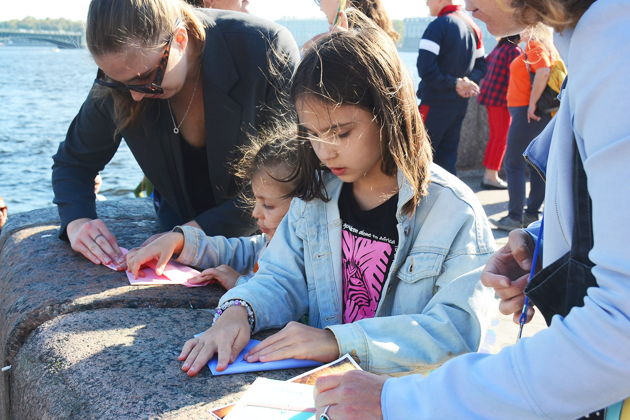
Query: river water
[{"x": 41, "y": 90}]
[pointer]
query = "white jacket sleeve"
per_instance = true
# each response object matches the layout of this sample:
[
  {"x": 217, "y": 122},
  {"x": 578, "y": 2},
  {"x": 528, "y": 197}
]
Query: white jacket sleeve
[{"x": 581, "y": 363}]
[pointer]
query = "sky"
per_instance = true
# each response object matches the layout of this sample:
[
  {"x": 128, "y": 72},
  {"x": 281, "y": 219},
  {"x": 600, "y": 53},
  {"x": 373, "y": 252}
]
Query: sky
[{"x": 270, "y": 9}]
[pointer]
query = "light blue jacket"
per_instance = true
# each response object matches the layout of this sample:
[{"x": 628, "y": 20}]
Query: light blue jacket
[
  {"x": 581, "y": 363},
  {"x": 203, "y": 251},
  {"x": 432, "y": 307}
]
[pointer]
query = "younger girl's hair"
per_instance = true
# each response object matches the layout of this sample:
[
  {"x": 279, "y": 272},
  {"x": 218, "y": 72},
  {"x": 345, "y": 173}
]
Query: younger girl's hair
[
  {"x": 115, "y": 25},
  {"x": 361, "y": 67},
  {"x": 273, "y": 148},
  {"x": 544, "y": 35}
]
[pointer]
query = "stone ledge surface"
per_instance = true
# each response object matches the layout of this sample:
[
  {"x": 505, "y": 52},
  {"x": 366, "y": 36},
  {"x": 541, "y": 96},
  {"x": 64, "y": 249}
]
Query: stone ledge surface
[
  {"x": 119, "y": 363},
  {"x": 41, "y": 278}
]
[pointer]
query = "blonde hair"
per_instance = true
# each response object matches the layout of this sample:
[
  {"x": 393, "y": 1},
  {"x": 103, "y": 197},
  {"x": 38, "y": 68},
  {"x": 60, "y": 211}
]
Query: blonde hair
[
  {"x": 558, "y": 14},
  {"x": 114, "y": 25},
  {"x": 543, "y": 34}
]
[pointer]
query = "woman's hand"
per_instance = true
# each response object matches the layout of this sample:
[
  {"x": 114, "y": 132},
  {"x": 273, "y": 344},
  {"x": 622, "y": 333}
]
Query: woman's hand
[
  {"x": 351, "y": 395},
  {"x": 92, "y": 239},
  {"x": 224, "y": 274},
  {"x": 161, "y": 249},
  {"x": 227, "y": 337},
  {"x": 297, "y": 341},
  {"x": 507, "y": 272}
]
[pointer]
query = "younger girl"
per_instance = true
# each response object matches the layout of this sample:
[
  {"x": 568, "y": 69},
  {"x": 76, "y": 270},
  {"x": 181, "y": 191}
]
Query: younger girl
[
  {"x": 264, "y": 165},
  {"x": 380, "y": 248}
]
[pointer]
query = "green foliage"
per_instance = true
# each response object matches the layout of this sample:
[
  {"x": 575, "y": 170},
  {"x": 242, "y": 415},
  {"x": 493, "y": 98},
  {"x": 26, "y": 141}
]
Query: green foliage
[{"x": 48, "y": 24}]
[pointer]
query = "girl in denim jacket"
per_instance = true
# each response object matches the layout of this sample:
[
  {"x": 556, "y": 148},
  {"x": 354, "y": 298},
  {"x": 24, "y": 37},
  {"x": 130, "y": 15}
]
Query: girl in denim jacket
[
  {"x": 380, "y": 249},
  {"x": 265, "y": 164}
]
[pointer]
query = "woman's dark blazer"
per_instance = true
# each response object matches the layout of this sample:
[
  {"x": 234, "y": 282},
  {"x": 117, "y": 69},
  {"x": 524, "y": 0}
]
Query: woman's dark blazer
[{"x": 247, "y": 63}]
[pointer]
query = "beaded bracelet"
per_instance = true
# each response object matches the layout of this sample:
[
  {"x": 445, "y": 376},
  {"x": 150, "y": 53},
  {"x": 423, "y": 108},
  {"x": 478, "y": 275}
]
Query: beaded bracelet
[{"x": 236, "y": 302}]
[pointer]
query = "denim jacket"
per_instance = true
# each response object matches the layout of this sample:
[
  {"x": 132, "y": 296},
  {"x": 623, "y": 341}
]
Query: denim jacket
[
  {"x": 433, "y": 306},
  {"x": 203, "y": 251}
]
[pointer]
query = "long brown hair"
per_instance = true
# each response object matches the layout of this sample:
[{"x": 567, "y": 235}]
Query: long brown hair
[
  {"x": 559, "y": 14},
  {"x": 361, "y": 67},
  {"x": 114, "y": 25},
  {"x": 374, "y": 10}
]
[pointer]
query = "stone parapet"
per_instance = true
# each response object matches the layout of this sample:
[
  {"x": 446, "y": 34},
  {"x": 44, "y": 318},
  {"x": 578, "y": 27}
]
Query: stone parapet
[{"x": 82, "y": 342}]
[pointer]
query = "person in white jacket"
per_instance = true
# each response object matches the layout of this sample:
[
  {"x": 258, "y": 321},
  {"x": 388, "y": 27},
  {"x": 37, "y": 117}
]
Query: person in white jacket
[{"x": 581, "y": 363}]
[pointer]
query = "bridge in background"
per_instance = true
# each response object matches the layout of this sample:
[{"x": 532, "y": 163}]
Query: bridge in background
[{"x": 59, "y": 38}]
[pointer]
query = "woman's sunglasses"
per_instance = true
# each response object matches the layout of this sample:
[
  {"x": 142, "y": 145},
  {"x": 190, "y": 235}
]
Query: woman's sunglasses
[{"x": 153, "y": 88}]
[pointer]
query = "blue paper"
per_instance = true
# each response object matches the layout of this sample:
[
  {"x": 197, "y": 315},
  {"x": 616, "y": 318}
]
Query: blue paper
[{"x": 241, "y": 366}]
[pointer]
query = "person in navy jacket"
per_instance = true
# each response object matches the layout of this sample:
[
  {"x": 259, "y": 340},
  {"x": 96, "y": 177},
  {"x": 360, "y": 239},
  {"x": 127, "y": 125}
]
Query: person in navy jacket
[{"x": 451, "y": 64}]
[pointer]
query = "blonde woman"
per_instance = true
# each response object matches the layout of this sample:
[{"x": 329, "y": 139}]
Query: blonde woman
[{"x": 581, "y": 363}]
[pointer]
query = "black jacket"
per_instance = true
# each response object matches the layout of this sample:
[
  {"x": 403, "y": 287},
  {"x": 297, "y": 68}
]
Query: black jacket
[{"x": 244, "y": 59}]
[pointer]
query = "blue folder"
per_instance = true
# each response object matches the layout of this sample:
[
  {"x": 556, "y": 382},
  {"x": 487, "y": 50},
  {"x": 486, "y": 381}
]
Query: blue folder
[{"x": 242, "y": 366}]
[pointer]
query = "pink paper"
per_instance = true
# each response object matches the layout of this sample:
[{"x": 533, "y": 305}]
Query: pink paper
[{"x": 174, "y": 273}]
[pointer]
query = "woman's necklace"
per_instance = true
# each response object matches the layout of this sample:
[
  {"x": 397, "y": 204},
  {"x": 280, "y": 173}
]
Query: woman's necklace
[{"x": 170, "y": 111}]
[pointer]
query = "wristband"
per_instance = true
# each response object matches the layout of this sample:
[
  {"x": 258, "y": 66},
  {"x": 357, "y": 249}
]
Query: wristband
[{"x": 236, "y": 302}]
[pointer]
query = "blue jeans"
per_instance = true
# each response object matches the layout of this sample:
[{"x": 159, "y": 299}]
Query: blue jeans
[{"x": 521, "y": 133}]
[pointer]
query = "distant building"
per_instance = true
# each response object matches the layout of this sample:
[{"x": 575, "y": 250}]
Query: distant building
[{"x": 304, "y": 29}]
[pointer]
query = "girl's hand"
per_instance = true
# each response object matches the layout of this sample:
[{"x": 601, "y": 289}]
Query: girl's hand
[
  {"x": 297, "y": 341},
  {"x": 351, "y": 395},
  {"x": 227, "y": 337},
  {"x": 224, "y": 274},
  {"x": 161, "y": 249},
  {"x": 158, "y": 235},
  {"x": 152, "y": 238},
  {"x": 94, "y": 241}
]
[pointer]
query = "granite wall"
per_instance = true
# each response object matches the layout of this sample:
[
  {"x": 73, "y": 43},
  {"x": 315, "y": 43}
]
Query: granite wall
[{"x": 85, "y": 344}]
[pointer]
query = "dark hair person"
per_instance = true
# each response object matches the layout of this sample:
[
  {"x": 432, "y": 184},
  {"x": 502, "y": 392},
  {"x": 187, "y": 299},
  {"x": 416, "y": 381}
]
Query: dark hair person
[
  {"x": 492, "y": 94},
  {"x": 581, "y": 363},
  {"x": 184, "y": 87}
]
